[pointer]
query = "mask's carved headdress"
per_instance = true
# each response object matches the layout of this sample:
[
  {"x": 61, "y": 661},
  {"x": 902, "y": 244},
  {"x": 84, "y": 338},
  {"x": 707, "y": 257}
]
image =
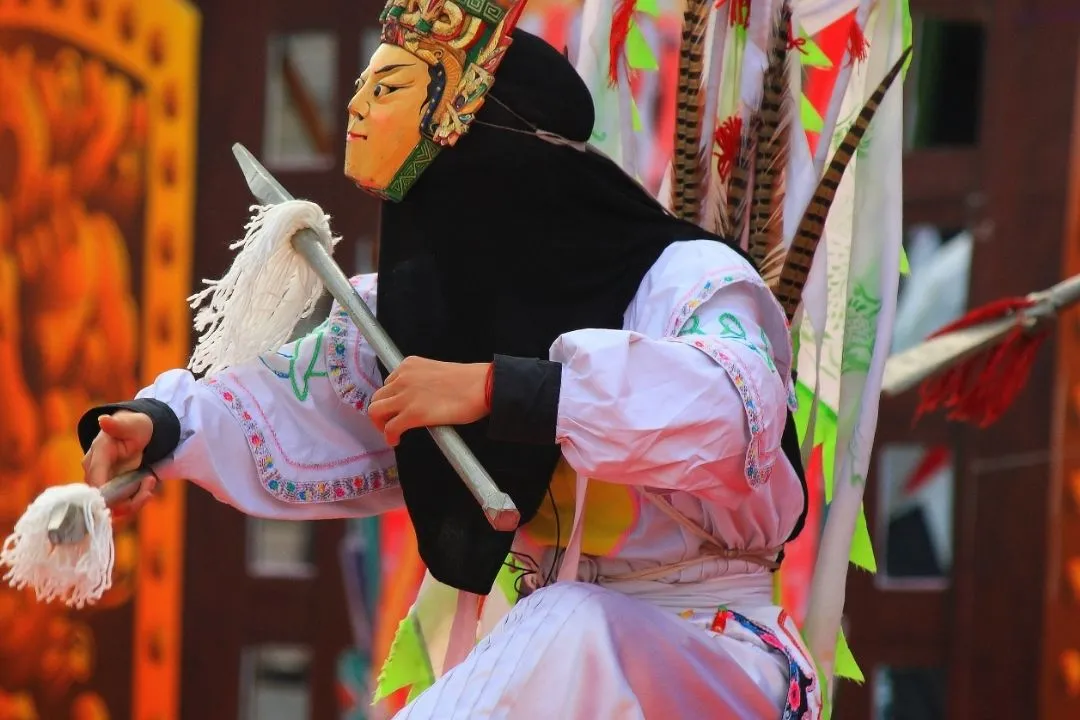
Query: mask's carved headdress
[{"x": 462, "y": 42}]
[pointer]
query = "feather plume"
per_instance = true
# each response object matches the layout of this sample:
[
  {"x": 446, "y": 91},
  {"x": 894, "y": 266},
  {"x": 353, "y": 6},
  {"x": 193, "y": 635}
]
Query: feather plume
[
  {"x": 713, "y": 187},
  {"x": 772, "y": 264},
  {"x": 620, "y": 30},
  {"x": 770, "y": 156},
  {"x": 686, "y": 168},
  {"x": 796, "y": 268}
]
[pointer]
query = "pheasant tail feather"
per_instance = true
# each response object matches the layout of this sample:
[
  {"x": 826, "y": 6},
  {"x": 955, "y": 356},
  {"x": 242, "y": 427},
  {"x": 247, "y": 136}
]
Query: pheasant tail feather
[
  {"x": 770, "y": 155},
  {"x": 800, "y": 256},
  {"x": 686, "y": 170}
]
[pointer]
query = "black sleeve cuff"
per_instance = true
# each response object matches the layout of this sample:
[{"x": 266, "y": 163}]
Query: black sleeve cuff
[
  {"x": 166, "y": 434},
  {"x": 524, "y": 400}
]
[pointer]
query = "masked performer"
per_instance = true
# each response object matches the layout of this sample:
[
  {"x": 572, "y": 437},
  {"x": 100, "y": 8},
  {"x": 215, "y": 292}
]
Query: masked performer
[{"x": 581, "y": 338}]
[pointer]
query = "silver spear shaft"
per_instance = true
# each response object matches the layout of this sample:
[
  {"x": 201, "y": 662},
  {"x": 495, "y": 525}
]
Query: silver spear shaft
[
  {"x": 497, "y": 505},
  {"x": 910, "y": 367}
]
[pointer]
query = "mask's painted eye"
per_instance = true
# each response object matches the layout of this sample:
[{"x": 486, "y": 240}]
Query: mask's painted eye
[{"x": 382, "y": 90}]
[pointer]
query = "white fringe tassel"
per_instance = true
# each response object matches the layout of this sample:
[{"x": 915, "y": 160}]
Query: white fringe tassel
[
  {"x": 77, "y": 574},
  {"x": 254, "y": 308}
]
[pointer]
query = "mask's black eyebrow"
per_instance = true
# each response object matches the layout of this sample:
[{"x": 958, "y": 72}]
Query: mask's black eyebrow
[{"x": 385, "y": 69}]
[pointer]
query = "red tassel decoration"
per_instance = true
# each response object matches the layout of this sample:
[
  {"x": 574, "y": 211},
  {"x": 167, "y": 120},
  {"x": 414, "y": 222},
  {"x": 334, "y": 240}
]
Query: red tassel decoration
[
  {"x": 857, "y": 45},
  {"x": 980, "y": 389},
  {"x": 620, "y": 29},
  {"x": 726, "y": 141}
]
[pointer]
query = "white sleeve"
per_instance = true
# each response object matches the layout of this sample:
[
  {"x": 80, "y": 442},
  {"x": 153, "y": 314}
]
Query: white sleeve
[
  {"x": 287, "y": 436},
  {"x": 698, "y": 404}
]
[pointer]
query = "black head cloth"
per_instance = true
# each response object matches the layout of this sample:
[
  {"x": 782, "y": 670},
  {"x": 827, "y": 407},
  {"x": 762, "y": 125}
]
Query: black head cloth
[{"x": 506, "y": 242}]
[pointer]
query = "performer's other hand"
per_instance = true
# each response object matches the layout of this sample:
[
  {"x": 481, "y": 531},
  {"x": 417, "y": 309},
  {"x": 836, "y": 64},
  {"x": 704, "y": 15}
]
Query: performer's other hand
[
  {"x": 117, "y": 449},
  {"x": 425, "y": 393}
]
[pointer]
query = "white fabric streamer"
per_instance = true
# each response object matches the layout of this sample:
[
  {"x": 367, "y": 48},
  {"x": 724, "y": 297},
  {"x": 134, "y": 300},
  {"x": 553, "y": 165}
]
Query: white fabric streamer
[
  {"x": 77, "y": 574},
  {"x": 268, "y": 289}
]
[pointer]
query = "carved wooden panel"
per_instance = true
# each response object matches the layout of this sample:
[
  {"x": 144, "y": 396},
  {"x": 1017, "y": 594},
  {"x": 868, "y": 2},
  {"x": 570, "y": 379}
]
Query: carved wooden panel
[
  {"x": 97, "y": 149},
  {"x": 1060, "y": 686}
]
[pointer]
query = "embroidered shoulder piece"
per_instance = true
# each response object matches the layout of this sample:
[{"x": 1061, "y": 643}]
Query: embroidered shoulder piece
[
  {"x": 759, "y": 462},
  {"x": 724, "y": 337}
]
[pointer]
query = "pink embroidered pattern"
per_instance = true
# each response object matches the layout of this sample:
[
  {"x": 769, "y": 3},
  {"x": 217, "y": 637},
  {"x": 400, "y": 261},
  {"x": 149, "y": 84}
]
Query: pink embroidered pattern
[
  {"x": 291, "y": 490},
  {"x": 716, "y": 281},
  {"x": 758, "y": 468},
  {"x": 342, "y": 379}
]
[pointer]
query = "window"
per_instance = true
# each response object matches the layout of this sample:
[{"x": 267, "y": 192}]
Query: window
[
  {"x": 944, "y": 84},
  {"x": 303, "y": 111},
  {"x": 276, "y": 683},
  {"x": 909, "y": 693},
  {"x": 915, "y": 514},
  {"x": 279, "y": 548}
]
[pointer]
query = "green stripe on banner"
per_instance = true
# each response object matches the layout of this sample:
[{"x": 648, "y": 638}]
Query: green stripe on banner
[
  {"x": 862, "y": 547},
  {"x": 905, "y": 268},
  {"x": 808, "y": 115},
  {"x": 649, "y": 7},
  {"x": 639, "y": 56},
  {"x": 811, "y": 55},
  {"x": 635, "y": 117}
]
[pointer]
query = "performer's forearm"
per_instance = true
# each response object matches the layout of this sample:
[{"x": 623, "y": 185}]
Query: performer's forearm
[
  {"x": 525, "y": 400},
  {"x": 267, "y": 445},
  {"x": 166, "y": 426}
]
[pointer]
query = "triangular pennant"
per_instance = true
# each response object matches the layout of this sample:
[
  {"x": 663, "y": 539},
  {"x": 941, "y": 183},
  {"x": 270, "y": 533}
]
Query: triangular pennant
[
  {"x": 862, "y": 547},
  {"x": 846, "y": 666},
  {"x": 507, "y": 580},
  {"x": 407, "y": 664}
]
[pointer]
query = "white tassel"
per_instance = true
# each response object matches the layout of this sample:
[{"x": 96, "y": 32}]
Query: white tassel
[
  {"x": 77, "y": 574},
  {"x": 268, "y": 289}
]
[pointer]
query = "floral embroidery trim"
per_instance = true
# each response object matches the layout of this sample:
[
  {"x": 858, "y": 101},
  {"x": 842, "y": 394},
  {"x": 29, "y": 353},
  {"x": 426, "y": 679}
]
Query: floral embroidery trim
[
  {"x": 296, "y": 491},
  {"x": 693, "y": 300},
  {"x": 353, "y": 390},
  {"x": 758, "y": 466}
]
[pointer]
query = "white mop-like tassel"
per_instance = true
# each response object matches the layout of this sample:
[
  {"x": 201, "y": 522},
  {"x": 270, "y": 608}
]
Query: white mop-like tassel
[
  {"x": 77, "y": 574},
  {"x": 268, "y": 289}
]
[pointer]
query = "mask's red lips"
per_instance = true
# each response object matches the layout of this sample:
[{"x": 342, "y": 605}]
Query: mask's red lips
[{"x": 355, "y": 136}]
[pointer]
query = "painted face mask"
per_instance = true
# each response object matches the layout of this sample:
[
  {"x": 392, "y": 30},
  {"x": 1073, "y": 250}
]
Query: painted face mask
[{"x": 423, "y": 87}]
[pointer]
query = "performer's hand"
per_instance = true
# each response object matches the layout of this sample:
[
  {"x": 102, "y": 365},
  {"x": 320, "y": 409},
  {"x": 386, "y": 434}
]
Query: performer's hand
[
  {"x": 117, "y": 449},
  {"x": 425, "y": 393}
]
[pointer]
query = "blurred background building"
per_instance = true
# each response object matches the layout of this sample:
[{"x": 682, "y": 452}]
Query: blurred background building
[{"x": 118, "y": 191}]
